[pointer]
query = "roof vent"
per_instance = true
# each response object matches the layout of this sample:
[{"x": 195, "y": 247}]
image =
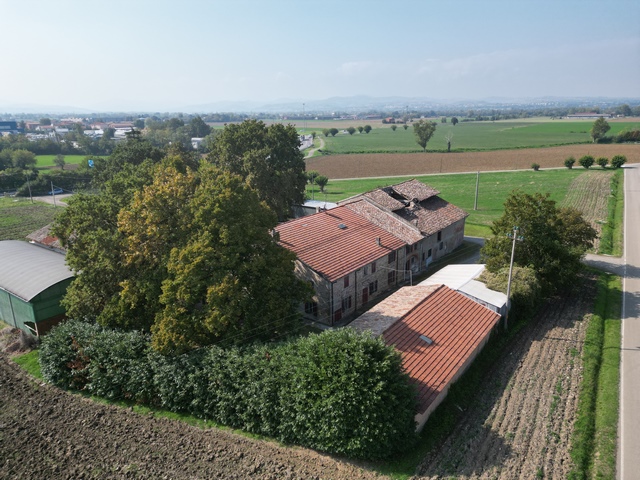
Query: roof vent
[
  {"x": 426, "y": 339},
  {"x": 342, "y": 226},
  {"x": 378, "y": 242}
]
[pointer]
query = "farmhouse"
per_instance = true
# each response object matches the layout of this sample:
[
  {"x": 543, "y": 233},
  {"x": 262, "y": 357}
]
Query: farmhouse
[
  {"x": 369, "y": 244},
  {"x": 347, "y": 259},
  {"x": 32, "y": 283},
  {"x": 438, "y": 333},
  {"x": 413, "y": 203}
]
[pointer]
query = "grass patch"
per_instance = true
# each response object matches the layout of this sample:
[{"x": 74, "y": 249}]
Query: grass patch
[
  {"x": 612, "y": 233},
  {"x": 19, "y": 217},
  {"x": 459, "y": 189},
  {"x": 45, "y": 161},
  {"x": 469, "y": 136},
  {"x": 29, "y": 362},
  {"x": 595, "y": 434}
]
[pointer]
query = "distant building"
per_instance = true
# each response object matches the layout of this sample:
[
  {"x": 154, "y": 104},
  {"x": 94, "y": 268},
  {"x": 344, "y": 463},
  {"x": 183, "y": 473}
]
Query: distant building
[
  {"x": 588, "y": 115},
  {"x": 9, "y": 128}
]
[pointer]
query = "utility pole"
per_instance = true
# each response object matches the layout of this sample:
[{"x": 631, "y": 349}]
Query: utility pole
[
  {"x": 515, "y": 237},
  {"x": 475, "y": 203},
  {"x": 29, "y": 185},
  {"x": 54, "y": 195}
]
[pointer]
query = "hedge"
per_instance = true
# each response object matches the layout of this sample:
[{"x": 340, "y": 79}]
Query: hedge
[{"x": 340, "y": 392}]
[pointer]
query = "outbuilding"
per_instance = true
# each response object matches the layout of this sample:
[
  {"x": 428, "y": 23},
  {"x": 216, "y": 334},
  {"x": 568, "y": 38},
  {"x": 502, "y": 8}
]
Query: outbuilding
[{"x": 33, "y": 280}]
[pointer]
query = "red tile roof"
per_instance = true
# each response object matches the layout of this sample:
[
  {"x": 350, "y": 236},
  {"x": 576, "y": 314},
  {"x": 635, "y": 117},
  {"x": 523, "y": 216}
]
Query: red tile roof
[
  {"x": 414, "y": 189},
  {"x": 383, "y": 198},
  {"x": 320, "y": 243},
  {"x": 387, "y": 220},
  {"x": 432, "y": 215},
  {"x": 457, "y": 326}
]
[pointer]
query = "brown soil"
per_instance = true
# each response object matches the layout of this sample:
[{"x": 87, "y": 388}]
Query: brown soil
[
  {"x": 520, "y": 425},
  {"x": 46, "y": 433},
  {"x": 397, "y": 164}
]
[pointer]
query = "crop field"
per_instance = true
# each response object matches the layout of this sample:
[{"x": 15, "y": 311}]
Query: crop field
[
  {"x": 469, "y": 136},
  {"x": 19, "y": 217},
  {"x": 48, "y": 160},
  {"x": 413, "y": 164}
]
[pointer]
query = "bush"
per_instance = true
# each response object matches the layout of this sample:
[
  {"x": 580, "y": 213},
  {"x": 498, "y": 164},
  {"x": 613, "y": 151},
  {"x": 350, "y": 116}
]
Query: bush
[
  {"x": 602, "y": 161},
  {"x": 526, "y": 291},
  {"x": 569, "y": 162},
  {"x": 618, "y": 160},
  {"x": 339, "y": 392},
  {"x": 586, "y": 161},
  {"x": 535, "y": 166},
  {"x": 346, "y": 393},
  {"x": 63, "y": 359}
]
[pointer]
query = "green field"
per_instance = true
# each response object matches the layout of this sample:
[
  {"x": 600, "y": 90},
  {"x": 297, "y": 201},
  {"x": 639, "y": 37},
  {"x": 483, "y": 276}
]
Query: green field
[
  {"x": 469, "y": 136},
  {"x": 48, "y": 160},
  {"x": 460, "y": 190},
  {"x": 19, "y": 217}
]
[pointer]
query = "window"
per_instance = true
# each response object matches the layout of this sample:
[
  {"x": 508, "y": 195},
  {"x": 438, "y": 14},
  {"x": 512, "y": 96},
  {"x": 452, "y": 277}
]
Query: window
[
  {"x": 441, "y": 245},
  {"x": 407, "y": 250},
  {"x": 392, "y": 257},
  {"x": 346, "y": 303},
  {"x": 373, "y": 267},
  {"x": 373, "y": 287},
  {"x": 391, "y": 277},
  {"x": 337, "y": 315},
  {"x": 429, "y": 254},
  {"x": 366, "y": 269},
  {"x": 346, "y": 281},
  {"x": 440, "y": 235},
  {"x": 311, "y": 308}
]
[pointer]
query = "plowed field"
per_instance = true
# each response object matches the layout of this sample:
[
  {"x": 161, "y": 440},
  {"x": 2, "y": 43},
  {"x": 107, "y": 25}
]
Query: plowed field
[
  {"x": 520, "y": 425},
  {"x": 389, "y": 164}
]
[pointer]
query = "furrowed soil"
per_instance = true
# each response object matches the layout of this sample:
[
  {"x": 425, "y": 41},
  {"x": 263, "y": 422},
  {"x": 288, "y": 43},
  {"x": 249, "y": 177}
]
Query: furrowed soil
[
  {"x": 406, "y": 164},
  {"x": 521, "y": 423},
  {"x": 46, "y": 433}
]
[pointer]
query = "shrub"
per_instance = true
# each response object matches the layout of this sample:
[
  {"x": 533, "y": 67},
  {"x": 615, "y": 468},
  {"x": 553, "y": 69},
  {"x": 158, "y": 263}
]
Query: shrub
[
  {"x": 526, "y": 291},
  {"x": 346, "y": 393},
  {"x": 586, "y": 161},
  {"x": 63, "y": 360},
  {"x": 535, "y": 166},
  {"x": 569, "y": 162},
  {"x": 602, "y": 161},
  {"x": 618, "y": 160}
]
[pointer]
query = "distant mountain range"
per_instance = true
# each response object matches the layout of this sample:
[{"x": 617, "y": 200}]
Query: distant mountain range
[{"x": 352, "y": 104}]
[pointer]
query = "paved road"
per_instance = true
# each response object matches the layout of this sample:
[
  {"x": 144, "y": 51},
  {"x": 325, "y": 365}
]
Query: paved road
[{"x": 629, "y": 428}]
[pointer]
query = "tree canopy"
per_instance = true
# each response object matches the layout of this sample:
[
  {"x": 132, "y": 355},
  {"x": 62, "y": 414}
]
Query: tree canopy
[
  {"x": 424, "y": 130},
  {"x": 599, "y": 129},
  {"x": 267, "y": 158},
  {"x": 555, "y": 239},
  {"x": 185, "y": 254}
]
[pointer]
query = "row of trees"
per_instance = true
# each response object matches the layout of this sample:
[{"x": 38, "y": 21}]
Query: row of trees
[
  {"x": 350, "y": 130},
  {"x": 586, "y": 161}
]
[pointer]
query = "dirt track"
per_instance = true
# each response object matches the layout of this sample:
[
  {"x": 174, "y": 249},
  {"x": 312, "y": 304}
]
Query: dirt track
[
  {"x": 49, "y": 434},
  {"x": 520, "y": 425},
  {"x": 399, "y": 164}
]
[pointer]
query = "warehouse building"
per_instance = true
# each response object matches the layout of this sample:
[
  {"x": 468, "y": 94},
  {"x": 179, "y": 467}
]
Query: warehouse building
[{"x": 33, "y": 280}]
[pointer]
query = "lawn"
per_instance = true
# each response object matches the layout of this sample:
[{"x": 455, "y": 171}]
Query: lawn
[
  {"x": 19, "y": 217},
  {"x": 470, "y": 136},
  {"x": 48, "y": 160},
  {"x": 493, "y": 189}
]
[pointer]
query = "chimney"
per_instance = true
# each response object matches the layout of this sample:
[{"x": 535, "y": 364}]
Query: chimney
[{"x": 378, "y": 241}]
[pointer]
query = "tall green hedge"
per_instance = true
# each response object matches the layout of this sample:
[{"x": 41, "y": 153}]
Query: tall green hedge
[{"x": 340, "y": 392}]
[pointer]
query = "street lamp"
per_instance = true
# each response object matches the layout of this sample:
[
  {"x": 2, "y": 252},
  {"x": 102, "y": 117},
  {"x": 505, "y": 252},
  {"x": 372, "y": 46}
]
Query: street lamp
[{"x": 515, "y": 237}]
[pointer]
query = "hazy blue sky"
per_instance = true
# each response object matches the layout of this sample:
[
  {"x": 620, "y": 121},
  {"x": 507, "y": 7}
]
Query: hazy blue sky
[{"x": 160, "y": 55}]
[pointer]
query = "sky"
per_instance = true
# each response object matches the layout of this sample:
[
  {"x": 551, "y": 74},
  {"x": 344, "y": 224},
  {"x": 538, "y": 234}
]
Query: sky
[{"x": 158, "y": 55}]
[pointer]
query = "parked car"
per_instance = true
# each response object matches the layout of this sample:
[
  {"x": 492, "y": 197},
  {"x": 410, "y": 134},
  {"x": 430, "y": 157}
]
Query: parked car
[{"x": 56, "y": 191}]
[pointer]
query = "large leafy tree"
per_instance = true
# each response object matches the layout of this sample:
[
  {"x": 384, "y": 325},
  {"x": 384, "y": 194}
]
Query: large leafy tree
[
  {"x": 555, "y": 239},
  {"x": 599, "y": 129},
  {"x": 424, "y": 130},
  {"x": 185, "y": 254},
  {"x": 267, "y": 158}
]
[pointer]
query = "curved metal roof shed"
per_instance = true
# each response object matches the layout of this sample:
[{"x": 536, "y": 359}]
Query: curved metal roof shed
[{"x": 33, "y": 280}]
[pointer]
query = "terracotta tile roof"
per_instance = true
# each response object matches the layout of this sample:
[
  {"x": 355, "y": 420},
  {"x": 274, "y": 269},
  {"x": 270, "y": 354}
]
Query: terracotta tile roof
[
  {"x": 381, "y": 316},
  {"x": 44, "y": 237},
  {"x": 432, "y": 215},
  {"x": 457, "y": 326},
  {"x": 320, "y": 243},
  {"x": 414, "y": 189},
  {"x": 387, "y": 220},
  {"x": 383, "y": 198}
]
